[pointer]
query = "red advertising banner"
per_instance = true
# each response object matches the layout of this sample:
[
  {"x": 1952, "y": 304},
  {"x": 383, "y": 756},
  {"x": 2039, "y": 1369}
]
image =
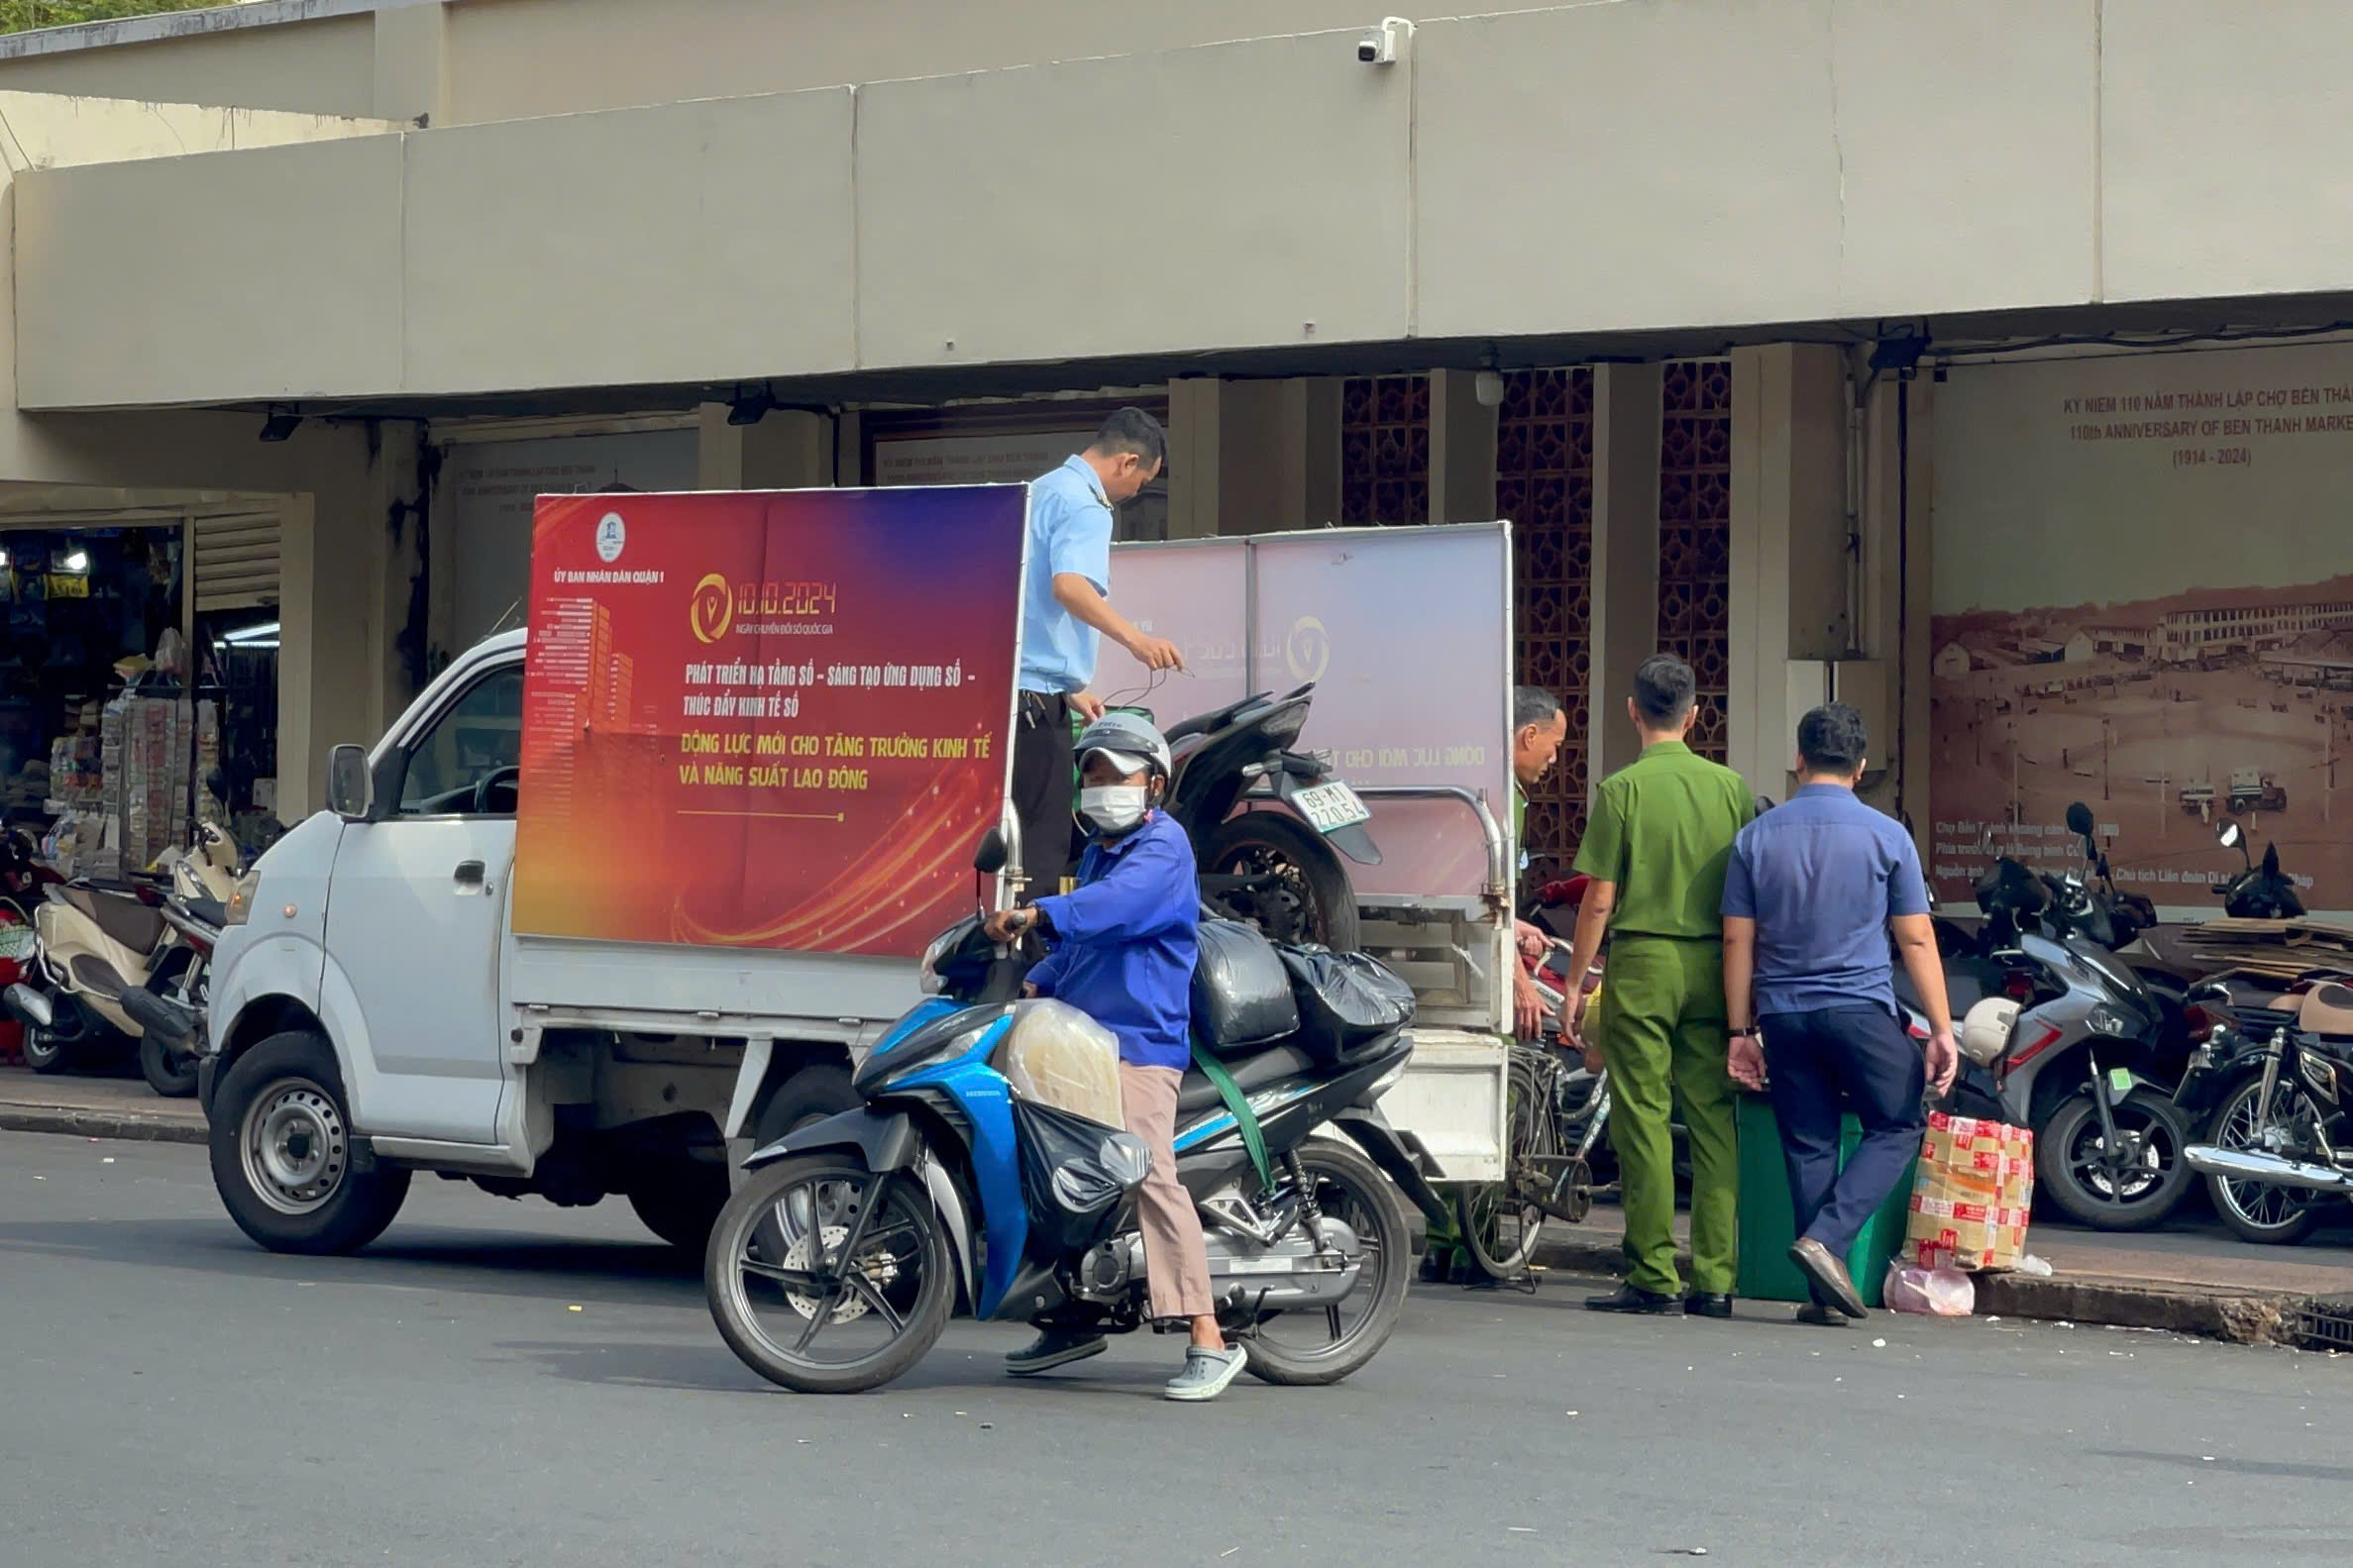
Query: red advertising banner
[{"x": 766, "y": 720}]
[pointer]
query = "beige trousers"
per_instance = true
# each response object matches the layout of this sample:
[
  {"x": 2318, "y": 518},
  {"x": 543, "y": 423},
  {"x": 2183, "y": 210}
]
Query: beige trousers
[{"x": 1175, "y": 1258}]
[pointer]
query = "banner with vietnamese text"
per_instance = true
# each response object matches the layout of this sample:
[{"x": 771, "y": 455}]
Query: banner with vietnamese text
[{"x": 766, "y": 720}]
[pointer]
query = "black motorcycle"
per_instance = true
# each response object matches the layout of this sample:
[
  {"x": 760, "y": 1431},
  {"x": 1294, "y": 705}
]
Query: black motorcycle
[
  {"x": 1269, "y": 823},
  {"x": 2280, "y": 1148}
]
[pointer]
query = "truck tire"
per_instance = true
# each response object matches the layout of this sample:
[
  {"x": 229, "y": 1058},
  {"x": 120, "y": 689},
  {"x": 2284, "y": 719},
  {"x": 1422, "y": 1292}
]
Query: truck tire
[
  {"x": 680, "y": 1200},
  {"x": 810, "y": 1094},
  {"x": 281, "y": 1153}
]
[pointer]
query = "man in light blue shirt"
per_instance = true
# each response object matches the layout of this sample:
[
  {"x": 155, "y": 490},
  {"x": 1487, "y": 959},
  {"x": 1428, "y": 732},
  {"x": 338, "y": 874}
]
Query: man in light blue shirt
[{"x": 1066, "y": 612}]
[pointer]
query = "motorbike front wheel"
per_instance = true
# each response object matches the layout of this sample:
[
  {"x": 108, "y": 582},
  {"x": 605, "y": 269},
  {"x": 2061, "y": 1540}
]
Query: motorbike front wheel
[
  {"x": 827, "y": 1278},
  {"x": 2073, "y": 1164},
  {"x": 170, "y": 1073},
  {"x": 2257, "y": 1210}
]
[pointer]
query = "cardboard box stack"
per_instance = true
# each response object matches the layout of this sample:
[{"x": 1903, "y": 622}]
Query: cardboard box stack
[
  {"x": 1971, "y": 1197},
  {"x": 147, "y": 740}
]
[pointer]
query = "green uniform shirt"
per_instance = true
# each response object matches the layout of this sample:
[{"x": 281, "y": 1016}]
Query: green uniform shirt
[{"x": 1662, "y": 830}]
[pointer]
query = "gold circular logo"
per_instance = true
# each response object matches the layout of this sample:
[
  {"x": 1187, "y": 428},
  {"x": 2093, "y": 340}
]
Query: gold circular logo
[
  {"x": 1308, "y": 650},
  {"x": 712, "y": 609}
]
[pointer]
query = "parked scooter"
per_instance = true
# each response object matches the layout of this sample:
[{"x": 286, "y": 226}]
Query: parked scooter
[
  {"x": 836, "y": 1264},
  {"x": 1276, "y": 869},
  {"x": 2059, "y": 1036},
  {"x": 98, "y": 946},
  {"x": 2278, "y": 1149}
]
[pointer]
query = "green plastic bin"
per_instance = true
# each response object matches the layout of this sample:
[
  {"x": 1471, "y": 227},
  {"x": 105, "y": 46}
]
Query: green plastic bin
[{"x": 1769, "y": 1223}]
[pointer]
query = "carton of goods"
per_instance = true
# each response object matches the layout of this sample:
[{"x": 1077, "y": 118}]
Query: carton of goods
[{"x": 1971, "y": 1196}]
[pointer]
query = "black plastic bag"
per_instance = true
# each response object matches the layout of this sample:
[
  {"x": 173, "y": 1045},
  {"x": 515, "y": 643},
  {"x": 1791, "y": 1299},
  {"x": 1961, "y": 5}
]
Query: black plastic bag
[
  {"x": 1241, "y": 993},
  {"x": 1074, "y": 1173},
  {"x": 1345, "y": 1000}
]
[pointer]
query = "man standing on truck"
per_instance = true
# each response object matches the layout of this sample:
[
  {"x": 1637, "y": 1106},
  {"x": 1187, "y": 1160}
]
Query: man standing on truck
[
  {"x": 1656, "y": 846},
  {"x": 1065, "y": 617}
]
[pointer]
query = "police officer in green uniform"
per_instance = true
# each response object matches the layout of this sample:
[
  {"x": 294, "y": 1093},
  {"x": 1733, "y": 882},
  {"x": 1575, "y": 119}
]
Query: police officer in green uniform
[{"x": 1656, "y": 846}]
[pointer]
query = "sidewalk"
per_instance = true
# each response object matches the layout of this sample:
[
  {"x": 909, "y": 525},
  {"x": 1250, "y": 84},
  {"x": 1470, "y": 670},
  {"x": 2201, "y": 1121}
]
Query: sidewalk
[
  {"x": 2196, "y": 1278},
  {"x": 95, "y": 1107}
]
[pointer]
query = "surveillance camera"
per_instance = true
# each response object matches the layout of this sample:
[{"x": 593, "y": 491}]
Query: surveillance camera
[{"x": 1386, "y": 43}]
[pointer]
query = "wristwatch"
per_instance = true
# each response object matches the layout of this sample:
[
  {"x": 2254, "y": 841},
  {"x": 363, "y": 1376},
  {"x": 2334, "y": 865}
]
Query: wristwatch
[{"x": 1749, "y": 1033}]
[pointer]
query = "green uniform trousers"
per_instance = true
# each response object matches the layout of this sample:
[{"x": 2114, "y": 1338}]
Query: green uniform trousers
[{"x": 1662, "y": 1034}]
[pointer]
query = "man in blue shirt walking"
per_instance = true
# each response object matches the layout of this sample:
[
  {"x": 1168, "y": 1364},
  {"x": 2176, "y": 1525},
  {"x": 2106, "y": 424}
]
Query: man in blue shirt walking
[
  {"x": 1125, "y": 944},
  {"x": 1065, "y": 615},
  {"x": 1814, "y": 891}
]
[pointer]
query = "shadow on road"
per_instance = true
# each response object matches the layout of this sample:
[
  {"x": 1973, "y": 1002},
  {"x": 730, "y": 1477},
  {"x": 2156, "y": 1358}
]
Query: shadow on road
[{"x": 483, "y": 1263}]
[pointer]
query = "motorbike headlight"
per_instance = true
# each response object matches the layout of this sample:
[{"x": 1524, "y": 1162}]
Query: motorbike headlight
[
  {"x": 942, "y": 946},
  {"x": 2106, "y": 1018},
  {"x": 1387, "y": 1081},
  {"x": 241, "y": 896}
]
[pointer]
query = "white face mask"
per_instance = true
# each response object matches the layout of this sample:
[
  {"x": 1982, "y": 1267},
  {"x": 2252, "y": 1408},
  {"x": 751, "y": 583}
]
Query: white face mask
[{"x": 1112, "y": 809}]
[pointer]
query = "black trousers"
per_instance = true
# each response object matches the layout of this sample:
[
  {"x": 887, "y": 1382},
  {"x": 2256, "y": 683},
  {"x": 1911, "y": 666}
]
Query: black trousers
[
  {"x": 1042, "y": 800},
  {"x": 1823, "y": 1063}
]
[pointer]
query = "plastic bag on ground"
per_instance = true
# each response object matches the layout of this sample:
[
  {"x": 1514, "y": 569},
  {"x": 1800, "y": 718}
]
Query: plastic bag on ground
[
  {"x": 1929, "y": 1293},
  {"x": 1055, "y": 1055}
]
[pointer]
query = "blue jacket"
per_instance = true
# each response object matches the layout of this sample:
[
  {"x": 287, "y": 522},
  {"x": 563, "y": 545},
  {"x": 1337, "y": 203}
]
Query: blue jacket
[{"x": 1127, "y": 940}]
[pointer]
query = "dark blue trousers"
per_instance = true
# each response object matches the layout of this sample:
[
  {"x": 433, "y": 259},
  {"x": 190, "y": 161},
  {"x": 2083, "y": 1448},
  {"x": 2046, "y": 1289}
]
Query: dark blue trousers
[{"x": 1820, "y": 1064}]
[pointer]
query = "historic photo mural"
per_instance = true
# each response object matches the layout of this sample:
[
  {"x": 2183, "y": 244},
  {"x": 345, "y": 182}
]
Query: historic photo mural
[{"x": 2144, "y": 601}]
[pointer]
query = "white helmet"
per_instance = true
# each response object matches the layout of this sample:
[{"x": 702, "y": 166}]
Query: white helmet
[{"x": 1129, "y": 741}]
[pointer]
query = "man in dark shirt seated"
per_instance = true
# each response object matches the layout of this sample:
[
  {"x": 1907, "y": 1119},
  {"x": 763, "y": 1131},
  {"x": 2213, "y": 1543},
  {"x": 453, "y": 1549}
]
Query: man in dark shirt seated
[{"x": 1812, "y": 894}]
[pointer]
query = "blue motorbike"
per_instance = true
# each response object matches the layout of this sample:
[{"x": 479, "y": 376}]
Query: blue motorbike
[{"x": 839, "y": 1259}]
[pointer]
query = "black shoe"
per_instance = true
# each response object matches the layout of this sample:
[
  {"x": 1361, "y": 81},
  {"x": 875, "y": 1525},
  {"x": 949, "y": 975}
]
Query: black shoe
[
  {"x": 1816, "y": 1262},
  {"x": 1637, "y": 1302},
  {"x": 1053, "y": 1347},
  {"x": 1820, "y": 1316},
  {"x": 1703, "y": 1304}
]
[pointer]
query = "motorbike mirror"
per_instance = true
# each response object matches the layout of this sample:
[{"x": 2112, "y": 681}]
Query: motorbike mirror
[
  {"x": 2079, "y": 821},
  {"x": 348, "y": 783},
  {"x": 1764, "y": 804},
  {"x": 216, "y": 785},
  {"x": 990, "y": 858},
  {"x": 2230, "y": 835}
]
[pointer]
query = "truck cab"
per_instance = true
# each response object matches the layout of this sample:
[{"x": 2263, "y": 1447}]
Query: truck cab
[{"x": 375, "y": 1014}]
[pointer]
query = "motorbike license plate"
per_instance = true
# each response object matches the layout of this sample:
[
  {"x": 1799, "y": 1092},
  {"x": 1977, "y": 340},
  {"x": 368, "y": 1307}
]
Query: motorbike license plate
[{"x": 1328, "y": 807}]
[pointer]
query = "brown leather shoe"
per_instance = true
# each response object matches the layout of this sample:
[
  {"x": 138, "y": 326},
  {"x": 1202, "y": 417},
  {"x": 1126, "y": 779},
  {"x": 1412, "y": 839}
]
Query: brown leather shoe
[{"x": 1828, "y": 1276}]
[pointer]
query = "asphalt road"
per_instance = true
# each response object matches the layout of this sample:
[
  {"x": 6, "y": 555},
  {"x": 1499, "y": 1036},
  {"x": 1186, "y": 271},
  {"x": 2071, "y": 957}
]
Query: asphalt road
[{"x": 504, "y": 1384}]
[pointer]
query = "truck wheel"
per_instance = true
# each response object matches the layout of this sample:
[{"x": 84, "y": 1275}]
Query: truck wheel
[
  {"x": 281, "y": 1153},
  {"x": 680, "y": 1200},
  {"x": 810, "y": 1094}
]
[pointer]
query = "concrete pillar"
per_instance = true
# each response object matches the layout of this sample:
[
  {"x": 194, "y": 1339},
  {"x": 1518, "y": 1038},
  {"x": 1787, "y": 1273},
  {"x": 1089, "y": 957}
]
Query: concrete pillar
[
  {"x": 1462, "y": 450},
  {"x": 412, "y": 63},
  {"x": 1790, "y": 558},
  {"x": 1194, "y": 456},
  {"x": 1893, "y": 559},
  {"x": 1255, "y": 456},
  {"x": 1625, "y": 583},
  {"x": 790, "y": 449},
  {"x": 393, "y": 556}
]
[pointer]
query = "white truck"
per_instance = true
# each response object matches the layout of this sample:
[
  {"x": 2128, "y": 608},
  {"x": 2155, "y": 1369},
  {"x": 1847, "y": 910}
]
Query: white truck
[{"x": 375, "y": 1012}]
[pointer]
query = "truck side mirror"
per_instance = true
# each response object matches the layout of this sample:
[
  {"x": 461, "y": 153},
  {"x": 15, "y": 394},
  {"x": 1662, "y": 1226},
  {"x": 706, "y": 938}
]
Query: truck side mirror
[{"x": 348, "y": 783}]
